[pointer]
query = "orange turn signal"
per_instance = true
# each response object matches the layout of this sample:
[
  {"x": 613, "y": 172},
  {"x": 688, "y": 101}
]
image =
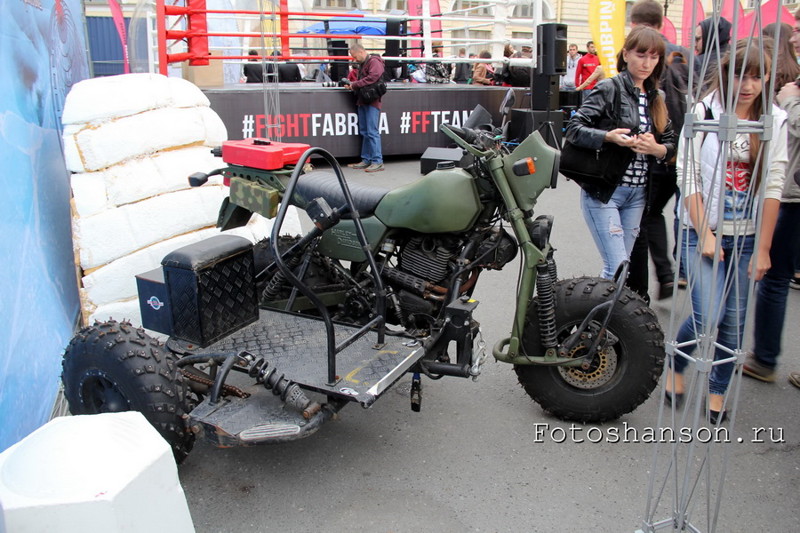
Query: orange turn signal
[{"x": 524, "y": 167}]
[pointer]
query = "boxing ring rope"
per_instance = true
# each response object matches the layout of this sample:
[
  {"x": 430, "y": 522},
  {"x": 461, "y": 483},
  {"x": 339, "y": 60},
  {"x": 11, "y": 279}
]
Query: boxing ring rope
[{"x": 186, "y": 24}]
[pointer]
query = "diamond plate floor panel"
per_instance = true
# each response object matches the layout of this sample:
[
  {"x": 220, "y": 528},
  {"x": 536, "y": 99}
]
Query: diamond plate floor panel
[{"x": 297, "y": 347}]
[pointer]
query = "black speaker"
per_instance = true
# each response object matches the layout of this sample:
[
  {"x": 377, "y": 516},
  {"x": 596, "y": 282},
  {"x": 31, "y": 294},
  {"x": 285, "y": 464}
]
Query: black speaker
[
  {"x": 394, "y": 28},
  {"x": 338, "y": 69},
  {"x": 544, "y": 92},
  {"x": 549, "y": 123},
  {"x": 551, "y": 48}
]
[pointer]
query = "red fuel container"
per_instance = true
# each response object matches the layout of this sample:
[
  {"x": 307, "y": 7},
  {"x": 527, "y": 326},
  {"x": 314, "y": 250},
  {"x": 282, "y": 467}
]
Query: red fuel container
[{"x": 262, "y": 154}]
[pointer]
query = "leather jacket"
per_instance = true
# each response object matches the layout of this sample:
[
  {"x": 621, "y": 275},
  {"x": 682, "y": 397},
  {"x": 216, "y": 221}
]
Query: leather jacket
[{"x": 596, "y": 116}]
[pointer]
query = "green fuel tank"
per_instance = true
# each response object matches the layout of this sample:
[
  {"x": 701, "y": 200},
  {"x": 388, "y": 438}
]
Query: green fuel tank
[{"x": 444, "y": 201}]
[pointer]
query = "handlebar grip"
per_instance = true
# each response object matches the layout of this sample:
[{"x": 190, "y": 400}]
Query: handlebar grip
[
  {"x": 197, "y": 179},
  {"x": 466, "y": 134}
]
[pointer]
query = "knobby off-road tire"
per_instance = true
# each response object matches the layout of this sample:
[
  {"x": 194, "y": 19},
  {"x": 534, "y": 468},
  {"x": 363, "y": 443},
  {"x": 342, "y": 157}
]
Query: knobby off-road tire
[
  {"x": 112, "y": 367},
  {"x": 619, "y": 379}
]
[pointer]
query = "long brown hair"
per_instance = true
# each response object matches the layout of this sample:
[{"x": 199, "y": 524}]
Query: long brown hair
[
  {"x": 787, "y": 69},
  {"x": 643, "y": 39},
  {"x": 746, "y": 61}
]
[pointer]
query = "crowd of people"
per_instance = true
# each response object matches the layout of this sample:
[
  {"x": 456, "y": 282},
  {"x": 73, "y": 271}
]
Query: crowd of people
[{"x": 721, "y": 251}]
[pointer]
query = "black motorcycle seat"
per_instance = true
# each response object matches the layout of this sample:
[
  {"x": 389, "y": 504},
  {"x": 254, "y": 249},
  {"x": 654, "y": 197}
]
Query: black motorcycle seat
[{"x": 323, "y": 183}]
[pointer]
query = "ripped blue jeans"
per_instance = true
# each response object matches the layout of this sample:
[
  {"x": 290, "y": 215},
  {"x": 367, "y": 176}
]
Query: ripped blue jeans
[{"x": 614, "y": 226}]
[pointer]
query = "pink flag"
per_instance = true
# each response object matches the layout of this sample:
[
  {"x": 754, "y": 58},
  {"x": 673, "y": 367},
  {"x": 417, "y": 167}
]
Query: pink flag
[
  {"x": 119, "y": 22},
  {"x": 729, "y": 7},
  {"x": 769, "y": 14},
  {"x": 415, "y": 25},
  {"x": 668, "y": 30},
  {"x": 687, "y": 30}
]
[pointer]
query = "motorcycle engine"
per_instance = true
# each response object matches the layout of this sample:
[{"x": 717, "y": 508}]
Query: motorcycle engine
[{"x": 428, "y": 257}]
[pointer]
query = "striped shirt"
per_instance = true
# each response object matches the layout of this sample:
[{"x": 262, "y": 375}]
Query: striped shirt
[{"x": 636, "y": 174}]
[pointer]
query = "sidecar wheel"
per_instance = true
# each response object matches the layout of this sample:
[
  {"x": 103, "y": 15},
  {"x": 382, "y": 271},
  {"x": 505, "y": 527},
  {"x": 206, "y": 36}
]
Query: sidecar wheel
[
  {"x": 112, "y": 367},
  {"x": 618, "y": 379}
]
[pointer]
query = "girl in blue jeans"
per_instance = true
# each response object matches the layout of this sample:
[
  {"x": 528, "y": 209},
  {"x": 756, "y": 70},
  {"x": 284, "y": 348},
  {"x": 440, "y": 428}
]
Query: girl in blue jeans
[
  {"x": 613, "y": 211},
  {"x": 721, "y": 201}
]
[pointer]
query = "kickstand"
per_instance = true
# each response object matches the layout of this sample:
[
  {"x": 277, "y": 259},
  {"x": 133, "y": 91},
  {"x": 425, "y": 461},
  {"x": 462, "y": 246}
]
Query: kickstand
[{"x": 416, "y": 393}]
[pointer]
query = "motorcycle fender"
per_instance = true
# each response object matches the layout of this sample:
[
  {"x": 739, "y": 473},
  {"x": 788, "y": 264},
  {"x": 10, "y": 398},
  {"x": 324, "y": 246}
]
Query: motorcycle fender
[{"x": 341, "y": 241}]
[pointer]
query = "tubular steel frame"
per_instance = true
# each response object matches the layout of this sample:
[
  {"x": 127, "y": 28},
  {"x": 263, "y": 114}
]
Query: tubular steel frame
[{"x": 687, "y": 479}]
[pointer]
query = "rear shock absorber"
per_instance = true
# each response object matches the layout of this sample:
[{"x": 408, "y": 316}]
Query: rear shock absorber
[
  {"x": 272, "y": 290},
  {"x": 289, "y": 392},
  {"x": 547, "y": 305}
]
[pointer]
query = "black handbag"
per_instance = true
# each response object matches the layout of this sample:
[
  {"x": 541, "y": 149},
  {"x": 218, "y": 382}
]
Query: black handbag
[
  {"x": 373, "y": 92},
  {"x": 591, "y": 166}
]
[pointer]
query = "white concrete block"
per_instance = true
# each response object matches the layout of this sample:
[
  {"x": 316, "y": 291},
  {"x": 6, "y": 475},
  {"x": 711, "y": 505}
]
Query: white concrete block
[
  {"x": 117, "y": 232},
  {"x": 145, "y": 133},
  {"x": 76, "y": 474}
]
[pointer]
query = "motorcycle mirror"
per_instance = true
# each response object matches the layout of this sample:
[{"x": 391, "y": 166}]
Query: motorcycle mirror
[
  {"x": 479, "y": 118},
  {"x": 507, "y": 103}
]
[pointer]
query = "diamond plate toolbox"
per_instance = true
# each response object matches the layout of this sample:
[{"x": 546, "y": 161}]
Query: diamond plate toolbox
[{"x": 211, "y": 287}]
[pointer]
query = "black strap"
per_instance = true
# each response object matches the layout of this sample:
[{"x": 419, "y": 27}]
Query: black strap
[{"x": 617, "y": 109}]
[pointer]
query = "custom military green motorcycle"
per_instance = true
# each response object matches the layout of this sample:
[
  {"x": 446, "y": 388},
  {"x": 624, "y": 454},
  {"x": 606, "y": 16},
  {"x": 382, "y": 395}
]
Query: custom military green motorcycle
[{"x": 267, "y": 342}]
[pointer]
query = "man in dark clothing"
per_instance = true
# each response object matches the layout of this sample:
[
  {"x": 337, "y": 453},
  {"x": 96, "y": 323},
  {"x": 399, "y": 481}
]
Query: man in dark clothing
[
  {"x": 653, "y": 229},
  {"x": 462, "y": 70},
  {"x": 253, "y": 71},
  {"x": 370, "y": 71},
  {"x": 520, "y": 76},
  {"x": 289, "y": 73},
  {"x": 706, "y": 46}
]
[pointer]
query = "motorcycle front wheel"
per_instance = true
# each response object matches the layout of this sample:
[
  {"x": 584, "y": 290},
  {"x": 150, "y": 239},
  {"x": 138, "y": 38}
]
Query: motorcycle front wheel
[{"x": 618, "y": 378}]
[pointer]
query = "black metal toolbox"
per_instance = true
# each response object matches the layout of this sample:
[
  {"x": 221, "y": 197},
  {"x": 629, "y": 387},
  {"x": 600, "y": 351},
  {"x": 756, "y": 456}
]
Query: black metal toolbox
[{"x": 210, "y": 289}]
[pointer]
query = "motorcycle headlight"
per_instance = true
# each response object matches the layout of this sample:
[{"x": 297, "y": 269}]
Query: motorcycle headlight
[{"x": 540, "y": 229}]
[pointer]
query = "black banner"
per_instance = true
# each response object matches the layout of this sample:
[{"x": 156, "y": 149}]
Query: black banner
[{"x": 411, "y": 114}]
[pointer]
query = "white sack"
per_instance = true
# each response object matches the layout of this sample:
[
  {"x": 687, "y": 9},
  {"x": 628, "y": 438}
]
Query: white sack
[
  {"x": 124, "y": 138},
  {"x": 105, "y": 98},
  {"x": 116, "y": 232}
]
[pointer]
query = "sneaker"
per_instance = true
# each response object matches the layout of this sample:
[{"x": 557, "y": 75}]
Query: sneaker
[
  {"x": 754, "y": 369},
  {"x": 795, "y": 283},
  {"x": 374, "y": 167},
  {"x": 794, "y": 379},
  {"x": 362, "y": 164},
  {"x": 665, "y": 290}
]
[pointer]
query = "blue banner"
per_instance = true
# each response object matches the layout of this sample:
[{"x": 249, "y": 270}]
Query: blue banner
[{"x": 42, "y": 54}]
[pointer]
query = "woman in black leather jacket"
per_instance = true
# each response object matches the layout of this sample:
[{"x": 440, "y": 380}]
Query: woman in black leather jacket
[{"x": 613, "y": 211}]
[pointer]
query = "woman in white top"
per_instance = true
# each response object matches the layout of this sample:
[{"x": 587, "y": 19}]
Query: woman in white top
[{"x": 719, "y": 296}]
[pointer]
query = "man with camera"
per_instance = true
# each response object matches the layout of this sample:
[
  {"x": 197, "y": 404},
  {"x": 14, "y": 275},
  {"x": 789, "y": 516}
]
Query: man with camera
[{"x": 366, "y": 87}]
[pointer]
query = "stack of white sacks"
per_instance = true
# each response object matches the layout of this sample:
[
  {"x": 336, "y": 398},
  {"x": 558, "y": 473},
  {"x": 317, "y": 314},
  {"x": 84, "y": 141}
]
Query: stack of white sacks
[{"x": 132, "y": 141}]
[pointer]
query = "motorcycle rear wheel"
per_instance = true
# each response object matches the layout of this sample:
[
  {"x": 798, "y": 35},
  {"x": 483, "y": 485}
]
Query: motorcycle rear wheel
[
  {"x": 619, "y": 378},
  {"x": 112, "y": 367}
]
